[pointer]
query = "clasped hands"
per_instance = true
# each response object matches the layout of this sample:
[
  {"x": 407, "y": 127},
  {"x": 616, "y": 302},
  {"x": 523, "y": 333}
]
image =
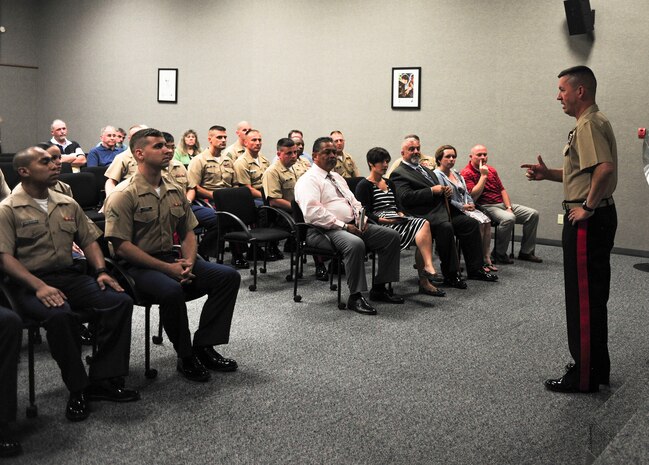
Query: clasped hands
[{"x": 181, "y": 270}]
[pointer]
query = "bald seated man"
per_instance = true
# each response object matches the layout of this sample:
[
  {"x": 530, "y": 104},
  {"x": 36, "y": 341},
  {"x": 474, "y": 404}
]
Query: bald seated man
[
  {"x": 238, "y": 149},
  {"x": 487, "y": 190}
]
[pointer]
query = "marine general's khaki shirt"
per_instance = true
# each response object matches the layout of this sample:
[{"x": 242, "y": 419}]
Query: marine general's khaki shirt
[
  {"x": 590, "y": 143},
  {"x": 135, "y": 212},
  {"x": 249, "y": 170},
  {"x": 279, "y": 182},
  {"x": 211, "y": 173},
  {"x": 43, "y": 241}
]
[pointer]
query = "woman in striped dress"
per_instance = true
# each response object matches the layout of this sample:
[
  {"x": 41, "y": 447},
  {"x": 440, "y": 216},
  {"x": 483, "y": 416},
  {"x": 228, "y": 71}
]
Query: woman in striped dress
[{"x": 376, "y": 193}]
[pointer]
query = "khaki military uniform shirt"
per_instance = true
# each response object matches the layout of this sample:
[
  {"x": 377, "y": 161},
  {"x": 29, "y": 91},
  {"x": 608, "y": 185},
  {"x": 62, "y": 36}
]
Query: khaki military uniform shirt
[
  {"x": 135, "y": 212},
  {"x": 43, "y": 241},
  {"x": 346, "y": 167},
  {"x": 177, "y": 172},
  {"x": 249, "y": 170},
  {"x": 123, "y": 166},
  {"x": 590, "y": 143},
  {"x": 211, "y": 173},
  {"x": 301, "y": 166},
  {"x": 235, "y": 151},
  {"x": 279, "y": 182}
]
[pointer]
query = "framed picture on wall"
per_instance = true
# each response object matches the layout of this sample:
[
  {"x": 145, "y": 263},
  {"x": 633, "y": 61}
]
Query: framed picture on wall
[
  {"x": 406, "y": 88},
  {"x": 168, "y": 85}
]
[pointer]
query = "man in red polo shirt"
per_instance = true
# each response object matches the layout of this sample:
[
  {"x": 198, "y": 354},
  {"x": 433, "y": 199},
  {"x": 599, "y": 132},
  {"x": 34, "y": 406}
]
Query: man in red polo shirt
[{"x": 488, "y": 191}]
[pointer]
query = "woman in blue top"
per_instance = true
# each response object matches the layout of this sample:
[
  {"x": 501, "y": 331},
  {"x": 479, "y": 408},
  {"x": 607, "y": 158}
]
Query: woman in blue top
[{"x": 445, "y": 157}]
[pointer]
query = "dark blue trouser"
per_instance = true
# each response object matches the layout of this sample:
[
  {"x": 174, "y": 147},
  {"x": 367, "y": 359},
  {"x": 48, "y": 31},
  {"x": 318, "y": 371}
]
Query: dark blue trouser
[{"x": 219, "y": 282}]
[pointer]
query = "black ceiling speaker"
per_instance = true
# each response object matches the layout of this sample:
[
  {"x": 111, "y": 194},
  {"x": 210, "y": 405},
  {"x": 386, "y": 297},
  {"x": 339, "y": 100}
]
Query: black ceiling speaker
[{"x": 580, "y": 18}]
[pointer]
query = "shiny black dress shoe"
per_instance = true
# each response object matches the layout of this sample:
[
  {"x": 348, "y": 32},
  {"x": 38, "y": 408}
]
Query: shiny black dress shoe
[
  {"x": 504, "y": 259},
  {"x": 481, "y": 275},
  {"x": 9, "y": 448},
  {"x": 77, "y": 408},
  {"x": 192, "y": 369},
  {"x": 239, "y": 263},
  {"x": 456, "y": 282},
  {"x": 384, "y": 296},
  {"x": 603, "y": 379},
  {"x": 529, "y": 257},
  {"x": 106, "y": 390},
  {"x": 563, "y": 385},
  {"x": 360, "y": 305},
  {"x": 321, "y": 273},
  {"x": 212, "y": 360}
]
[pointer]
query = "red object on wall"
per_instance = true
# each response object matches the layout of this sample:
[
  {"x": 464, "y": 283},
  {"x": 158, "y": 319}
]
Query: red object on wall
[{"x": 642, "y": 132}]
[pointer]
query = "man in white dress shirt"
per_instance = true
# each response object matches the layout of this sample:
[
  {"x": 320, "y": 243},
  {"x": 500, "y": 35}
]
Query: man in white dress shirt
[{"x": 327, "y": 202}]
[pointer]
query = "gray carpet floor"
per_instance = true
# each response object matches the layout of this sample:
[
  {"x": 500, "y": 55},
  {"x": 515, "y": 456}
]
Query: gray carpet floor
[{"x": 454, "y": 380}]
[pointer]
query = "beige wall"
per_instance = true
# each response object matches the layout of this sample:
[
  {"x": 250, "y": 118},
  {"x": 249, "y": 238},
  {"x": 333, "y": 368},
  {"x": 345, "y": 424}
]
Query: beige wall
[{"x": 488, "y": 71}]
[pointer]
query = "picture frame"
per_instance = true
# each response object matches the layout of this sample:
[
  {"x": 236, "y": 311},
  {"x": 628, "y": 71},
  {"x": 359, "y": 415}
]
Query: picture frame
[
  {"x": 168, "y": 85},
  {"x": 406, "y": 88}
]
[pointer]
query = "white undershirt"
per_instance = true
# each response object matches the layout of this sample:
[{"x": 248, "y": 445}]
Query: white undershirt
[{"x": 42, "y": 203}]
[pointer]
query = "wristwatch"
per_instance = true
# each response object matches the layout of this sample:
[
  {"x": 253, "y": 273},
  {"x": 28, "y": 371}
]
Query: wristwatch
[
  {"x": 587, "y": 208},
  {"x": 99, "y": 271}
]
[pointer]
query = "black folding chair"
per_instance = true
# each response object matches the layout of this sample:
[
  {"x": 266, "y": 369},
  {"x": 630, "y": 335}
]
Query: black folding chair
[
  {"x": 239, "y": 222},
  {"x": 303, "y": 249},
  {"x": 84, "y": 191}
]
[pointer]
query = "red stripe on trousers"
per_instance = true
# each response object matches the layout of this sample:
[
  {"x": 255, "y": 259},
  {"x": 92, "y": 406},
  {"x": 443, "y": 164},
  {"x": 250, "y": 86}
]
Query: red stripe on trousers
[{"x": 584, "y": 305}]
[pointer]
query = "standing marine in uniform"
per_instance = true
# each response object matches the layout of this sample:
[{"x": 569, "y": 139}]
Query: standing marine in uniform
[
  {"x": 142, "y": 215},
  {"x": 589, "y": 177}
]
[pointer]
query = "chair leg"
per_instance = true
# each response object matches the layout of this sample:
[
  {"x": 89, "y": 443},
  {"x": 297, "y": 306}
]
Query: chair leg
[
  {"x": 149, "y": 372},
  {"x": 253, "y": 286},
  {"x": 341, "y": 305},
  {"x": 32, "y": 409},
  {"x": 298, "y": 261},
  {"x": 157, "y": 340},
  {"x": 511, "y": 255}
]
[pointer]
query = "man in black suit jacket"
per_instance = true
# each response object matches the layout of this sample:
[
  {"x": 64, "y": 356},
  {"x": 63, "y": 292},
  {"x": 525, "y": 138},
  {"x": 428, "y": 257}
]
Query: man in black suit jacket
[{"x": 420, "y": 194}]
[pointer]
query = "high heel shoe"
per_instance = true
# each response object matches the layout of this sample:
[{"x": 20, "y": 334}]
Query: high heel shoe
[
  {"x": 432, "y": 277},
  {"x": 431, "y": 290}
]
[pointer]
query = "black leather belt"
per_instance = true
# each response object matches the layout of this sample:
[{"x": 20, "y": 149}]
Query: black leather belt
[{"x": 568, "y": 204}]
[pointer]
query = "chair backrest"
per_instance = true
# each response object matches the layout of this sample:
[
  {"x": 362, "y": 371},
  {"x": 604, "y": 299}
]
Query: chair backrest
[
  {"x": 238, "y": 201},
  {"x": 353, "y": 182},
  {"x": 99, "y": 172},
  {"x": 9, "y": 173},
  {"x": 66, "y": 168},
  {"x": 83, "y": 188}
]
